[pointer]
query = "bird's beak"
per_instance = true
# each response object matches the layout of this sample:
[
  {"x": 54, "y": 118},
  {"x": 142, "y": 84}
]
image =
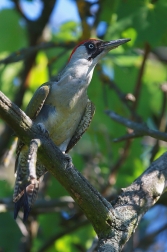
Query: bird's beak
[{"x": 109, "y": 45}]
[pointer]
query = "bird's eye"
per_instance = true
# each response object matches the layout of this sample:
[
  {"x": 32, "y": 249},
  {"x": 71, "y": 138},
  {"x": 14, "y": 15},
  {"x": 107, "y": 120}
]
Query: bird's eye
[{"x": 91, "y": 46}]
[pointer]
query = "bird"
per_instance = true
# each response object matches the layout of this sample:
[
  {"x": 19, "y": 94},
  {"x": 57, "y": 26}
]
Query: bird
[{"x": 62, "y": 107}]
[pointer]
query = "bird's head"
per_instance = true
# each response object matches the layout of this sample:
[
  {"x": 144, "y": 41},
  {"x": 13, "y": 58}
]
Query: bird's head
[{"x": 93, "y": 50}]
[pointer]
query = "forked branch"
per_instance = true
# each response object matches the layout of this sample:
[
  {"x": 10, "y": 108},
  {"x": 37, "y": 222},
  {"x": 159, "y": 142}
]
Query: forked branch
[{"x": 113, "y": 222}]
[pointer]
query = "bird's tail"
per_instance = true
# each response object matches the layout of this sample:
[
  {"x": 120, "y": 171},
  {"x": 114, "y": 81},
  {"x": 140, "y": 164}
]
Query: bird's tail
[{"x": 25, "y": 198}]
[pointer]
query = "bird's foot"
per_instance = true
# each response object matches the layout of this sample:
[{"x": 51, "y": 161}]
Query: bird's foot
[
  {"x": 25, "y": 182},
  {"x": 69, "y": 160},
  {"x": 43, "y": 130}
]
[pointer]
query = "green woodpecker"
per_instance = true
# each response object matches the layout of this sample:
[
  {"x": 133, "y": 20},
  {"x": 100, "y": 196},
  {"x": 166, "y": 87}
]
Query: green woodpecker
[{"x": 62, "y": 107}]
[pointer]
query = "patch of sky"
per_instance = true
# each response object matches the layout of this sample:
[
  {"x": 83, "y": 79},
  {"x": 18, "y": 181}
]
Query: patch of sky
[{"x": 6, "y": 4}]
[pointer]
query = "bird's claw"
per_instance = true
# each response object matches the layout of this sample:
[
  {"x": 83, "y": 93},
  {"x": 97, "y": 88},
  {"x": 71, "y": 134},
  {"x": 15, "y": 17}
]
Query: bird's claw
[
  {"x": 69, "y": 160},
  {"x": 43, "y": 130}
]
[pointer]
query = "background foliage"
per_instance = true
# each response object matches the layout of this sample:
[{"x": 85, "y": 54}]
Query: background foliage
[{"x": 131, "y": 80}]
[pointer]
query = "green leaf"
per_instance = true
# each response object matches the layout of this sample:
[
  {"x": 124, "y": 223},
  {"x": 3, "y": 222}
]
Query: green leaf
[
  {"x": 106, "y": 13},
  {"x": 13, "y": 35},
  {"x": 140, "y": 20}
]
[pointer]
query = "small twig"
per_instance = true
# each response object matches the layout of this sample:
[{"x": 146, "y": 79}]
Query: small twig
[
  {"x": 140, "y": 76},
  {"x": 127, "y": 136},
  {"x": 40, "y": 206},
  {"x": 26, "y": 52},
  {"x": 141, "y": 129}
]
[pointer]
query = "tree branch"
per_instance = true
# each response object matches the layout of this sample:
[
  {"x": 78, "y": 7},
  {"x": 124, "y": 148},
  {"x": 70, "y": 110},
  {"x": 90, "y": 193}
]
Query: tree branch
[
  {"x": 138, "y": 86},
  {"x": 141, "y": 129},
  {"x": 40, "y": 206},
  {"x": 22, "y": 54},
  {"x": 113, "y": 222},
  {"x": 79, "y": 188},
  {"x": 134, "y": 201}
]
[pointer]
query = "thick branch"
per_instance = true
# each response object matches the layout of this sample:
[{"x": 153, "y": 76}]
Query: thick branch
[
  {"x": 134, "y": 201},
  {"x": 114, "y": 223},
  {"x": 83, "y": 193}
]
